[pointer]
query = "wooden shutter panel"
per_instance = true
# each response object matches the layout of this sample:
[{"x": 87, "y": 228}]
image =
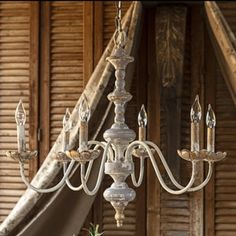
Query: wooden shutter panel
[
  {"x": 175, "y": 209},
  {"x": 66, "y": 60},
  {"x": 14, "y": 84},
  {"x": 175, "y": 214},
  {"x": 225, "y": 178}
]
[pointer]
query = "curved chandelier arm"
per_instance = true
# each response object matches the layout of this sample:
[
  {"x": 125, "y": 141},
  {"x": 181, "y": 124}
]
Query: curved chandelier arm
[
  {"x": 141, "y": 172},
  {"x": 205, "y": 182},
  {"x": 49, "y": 190},
  {"x": 68, "y": 183},
  {"x": 88, "y": 171},
  {"x": 172, "y": 178},
  {"x": 157, "y": 171},
  {"x": 100, "y": 174}
]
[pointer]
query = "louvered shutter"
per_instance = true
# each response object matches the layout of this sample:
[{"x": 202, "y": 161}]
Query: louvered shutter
[
  {"x": 14, "y": 84},
  {"x": 225, "y": 178},
  {"x": 66, "y": 60}
]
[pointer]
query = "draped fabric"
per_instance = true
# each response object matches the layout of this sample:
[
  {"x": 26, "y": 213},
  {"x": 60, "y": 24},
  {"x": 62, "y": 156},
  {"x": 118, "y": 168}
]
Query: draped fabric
[
  {"x": 224, "y": 44},
  {"x": 63, "y": 213}
]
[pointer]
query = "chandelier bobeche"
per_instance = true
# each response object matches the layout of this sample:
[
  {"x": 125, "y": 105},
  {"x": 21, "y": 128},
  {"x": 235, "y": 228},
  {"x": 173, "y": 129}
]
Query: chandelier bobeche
[{"x": 119, "y": 148}]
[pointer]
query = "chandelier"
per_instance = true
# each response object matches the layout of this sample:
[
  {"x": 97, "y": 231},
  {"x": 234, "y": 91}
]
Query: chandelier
[{"x": 120, "y": 147}]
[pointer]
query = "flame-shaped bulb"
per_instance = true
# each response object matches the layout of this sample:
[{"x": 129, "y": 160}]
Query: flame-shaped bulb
[
  {"x": 66, "y": 120},
  {"x": 210, "y": 117},
  {"x": 142, "y": 117},
  {"x": 196, "y": 111},
  {"x": 84, "y": 110},
  {"x": 20, "y": 114}
]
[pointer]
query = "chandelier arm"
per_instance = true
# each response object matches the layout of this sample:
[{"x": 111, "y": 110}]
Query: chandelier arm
[
  {"x": 110, "y": 157},
  {"x": 78, "y": 188},
  {"x": 141, "y": 172},
  {"x": 49, "y": 190},
  {"x": 157, "y": 171},
  {"x": 100, "y": 174},
  {"x": 172, "y": 178},
  {"x": 205, "y": 182},
  {"x": 88, "y": 171},
  {"x": 158, "y": 174},
  {"x": 164, "y": 162}
]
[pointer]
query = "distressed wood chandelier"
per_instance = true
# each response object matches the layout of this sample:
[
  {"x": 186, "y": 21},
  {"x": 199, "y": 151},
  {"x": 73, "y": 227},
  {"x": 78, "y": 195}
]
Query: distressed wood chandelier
[{"x": 120, "y": 146}]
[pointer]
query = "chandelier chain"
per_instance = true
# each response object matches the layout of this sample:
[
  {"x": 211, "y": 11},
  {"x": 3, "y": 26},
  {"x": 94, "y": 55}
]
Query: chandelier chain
[
  {"x": 118, "y": 16},
  {"x": 120, "y": 38}
]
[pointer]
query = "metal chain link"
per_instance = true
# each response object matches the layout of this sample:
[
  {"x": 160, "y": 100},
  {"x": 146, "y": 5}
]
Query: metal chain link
[
  {"x": 120, "y": 35},
  {"x": 118, "y": 16}
]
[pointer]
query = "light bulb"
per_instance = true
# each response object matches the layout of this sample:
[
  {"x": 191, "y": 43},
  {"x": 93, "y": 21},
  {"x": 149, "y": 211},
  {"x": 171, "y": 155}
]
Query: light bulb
[
  {"x": 20, "y": 114},
  {"x": 196, "y": 111},
  {"x": 142, "y": 117},
  {"x": 210, "y": 117},
  {"x": 66, "y": 120},
  {"x": 84, "y": 111}
]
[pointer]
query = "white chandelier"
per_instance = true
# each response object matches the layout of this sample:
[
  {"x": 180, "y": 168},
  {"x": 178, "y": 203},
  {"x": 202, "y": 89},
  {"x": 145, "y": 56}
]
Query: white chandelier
[{"x": 119, "y": 147}]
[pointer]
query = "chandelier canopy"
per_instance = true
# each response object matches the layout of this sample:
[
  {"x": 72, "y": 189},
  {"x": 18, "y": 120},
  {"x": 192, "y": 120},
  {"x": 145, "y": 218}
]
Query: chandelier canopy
[{"x": 120, "y": 147}]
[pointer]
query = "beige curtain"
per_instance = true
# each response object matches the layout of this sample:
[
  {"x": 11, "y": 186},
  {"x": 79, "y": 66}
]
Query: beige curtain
[{"x": 63, "y": 213}]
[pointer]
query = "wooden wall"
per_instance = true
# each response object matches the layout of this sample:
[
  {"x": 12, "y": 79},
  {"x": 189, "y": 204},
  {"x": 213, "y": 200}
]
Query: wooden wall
[{"x": 48, "y": 50}]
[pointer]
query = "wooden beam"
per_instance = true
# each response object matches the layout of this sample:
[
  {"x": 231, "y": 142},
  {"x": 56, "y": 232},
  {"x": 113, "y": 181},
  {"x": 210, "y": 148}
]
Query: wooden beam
[
  {"x": 197, "y": 87},
  {"x": 44, "y": 131},
  {"x": 153, "y": 110},
  {"x": 34, "y": 78},
  {"x": 96, "y": 213},
  {"x": 170, "y": 24},
  {"x": 88, "y": 40},
  {"x": 141, "y": 96},
  {"x": 210, "y": 94},
  {"x": 98, "y": 31},
  {"x": 161, "y": 3}
]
